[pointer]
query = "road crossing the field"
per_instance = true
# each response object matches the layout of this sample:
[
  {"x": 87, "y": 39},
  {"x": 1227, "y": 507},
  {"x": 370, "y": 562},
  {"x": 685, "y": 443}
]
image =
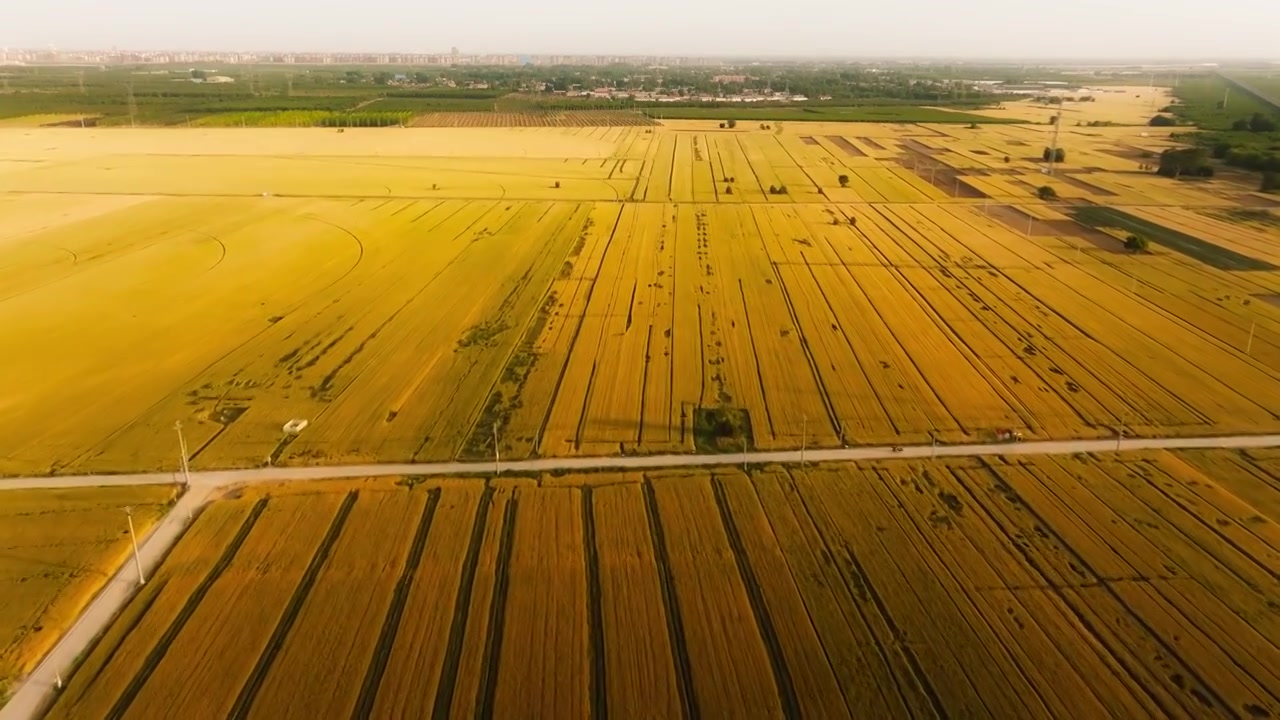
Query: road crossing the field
[
  {"x": 230, "y": 478},
  {"x": 33, "y": 695}
]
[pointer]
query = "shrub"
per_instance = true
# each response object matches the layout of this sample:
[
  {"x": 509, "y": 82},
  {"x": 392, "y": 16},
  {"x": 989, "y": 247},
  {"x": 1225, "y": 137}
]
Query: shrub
[
  {"x": 1047, "y": 193},
  {"x": 844, "y": 181},
  {"x": 1261, "y": 123},
  {"x": 1162, "y": 121},
  {"x": 1270, "y": 181},
  {"x": 1057, "y": 156},
  {"x": 1136, "y": 243}
]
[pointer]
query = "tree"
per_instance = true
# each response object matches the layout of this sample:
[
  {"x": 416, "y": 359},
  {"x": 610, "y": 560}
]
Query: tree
[
  {"x": 773, "y": 189},
  {"x": 1182, "y": 161},
  {"x": 199, "y": 75},
  {"x": 1058, "y": 155},
  {"x": 731, "y": 124},
  {"x": 1261, "y": 123},
  {"x": 1162, "y": 121},
  {"x": 844, "y": 181},
  {"x": 353, "y": 76},
  {"x": 1047, "y": 193},
  {"x": 1270, "y": 181},
  {"x": 1006, "y": 158},
  {"x": 1220, "y": 150},
  {"x": 422, "y": 78},
  {"x": 382, "y": 78},
  {"x": 1240, "y": 125},
  {"x": 728, "y": 189},
  {"x": 557, "y": 185},
  {"x": 1136, "y": 243},
  {"x": 722, "y": 126}
]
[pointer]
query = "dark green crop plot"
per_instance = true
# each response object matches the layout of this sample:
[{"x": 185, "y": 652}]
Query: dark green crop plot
[
  {"x": 1193, "y": 247},
  {"x": 821, "y": 113}
]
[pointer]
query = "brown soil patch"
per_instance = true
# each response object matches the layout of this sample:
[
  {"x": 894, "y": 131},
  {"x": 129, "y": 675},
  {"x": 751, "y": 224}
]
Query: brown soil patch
[
  {"x": 918, "y": 146},
  {"x": 1019, "y": 221},
  {"x": 1079, "y": 184},
  {"x": 808, "y": 140},
  {"x": 944, "y": 177},
  {"x": 845, "y": 145},
  {"x": 579, "y": 118},
  {"x": 871, "y": 143}
]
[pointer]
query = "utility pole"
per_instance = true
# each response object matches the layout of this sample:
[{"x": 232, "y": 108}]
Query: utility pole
[
  {"x": 1225, "y": 94},
  {"x": 137, "y": 559},
  {"x": 1031, "y": 219},
  {"x": 1053, "y": 151},
  {"x": 497, "y": 459},
  {"x": 133, "y": 108},
  {"x": 933, "y": 444},
  {"x": 1248, "y": 349},
  {"x": 744, "y": 453},
  {"x": 804, "y": 435},
  {"x": 1120, "y": 430},
  {"x": 182, "y": 448}
]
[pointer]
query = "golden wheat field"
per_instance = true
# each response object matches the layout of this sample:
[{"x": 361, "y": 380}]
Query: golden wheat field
[
  {"x": 1138, "y": 585},
  {"x": 412, "y": 293},
  {"x": 57, "y": 549}
]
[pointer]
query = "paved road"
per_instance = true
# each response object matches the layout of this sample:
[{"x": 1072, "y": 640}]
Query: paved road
[
  {"x": 228, "y": 478},
  {"x": 32, "y": 696},
  {"x": 34, "y": 693}
]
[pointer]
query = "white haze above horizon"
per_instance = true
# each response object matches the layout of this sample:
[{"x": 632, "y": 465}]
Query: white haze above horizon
[{"x": 989, "y": 29}]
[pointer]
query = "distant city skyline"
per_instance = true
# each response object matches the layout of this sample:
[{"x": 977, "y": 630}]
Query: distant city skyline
[{"x": 979, "y": 29}]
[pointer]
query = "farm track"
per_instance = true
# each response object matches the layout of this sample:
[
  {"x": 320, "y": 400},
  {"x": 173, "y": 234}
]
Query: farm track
[
  {"x": 974, "y": 540},
  {"x": 461, "y": 607},
  {"x": 387, "y": 638},
  {"x": 158, "y": 652},
  {"x": 215, "y": 479},
  {"x": 595, "y": 622},
  {"x": 249, "y": 692}
]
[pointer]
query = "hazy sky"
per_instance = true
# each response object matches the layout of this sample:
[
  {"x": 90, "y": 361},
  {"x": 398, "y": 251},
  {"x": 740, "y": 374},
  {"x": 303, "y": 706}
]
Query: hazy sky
[{"x": 954, "y": 28}]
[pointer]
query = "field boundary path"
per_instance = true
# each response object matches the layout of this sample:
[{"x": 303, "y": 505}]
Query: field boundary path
[
  {"x": 229, "y": 478},
  {"x": 31, "y": 697}
]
